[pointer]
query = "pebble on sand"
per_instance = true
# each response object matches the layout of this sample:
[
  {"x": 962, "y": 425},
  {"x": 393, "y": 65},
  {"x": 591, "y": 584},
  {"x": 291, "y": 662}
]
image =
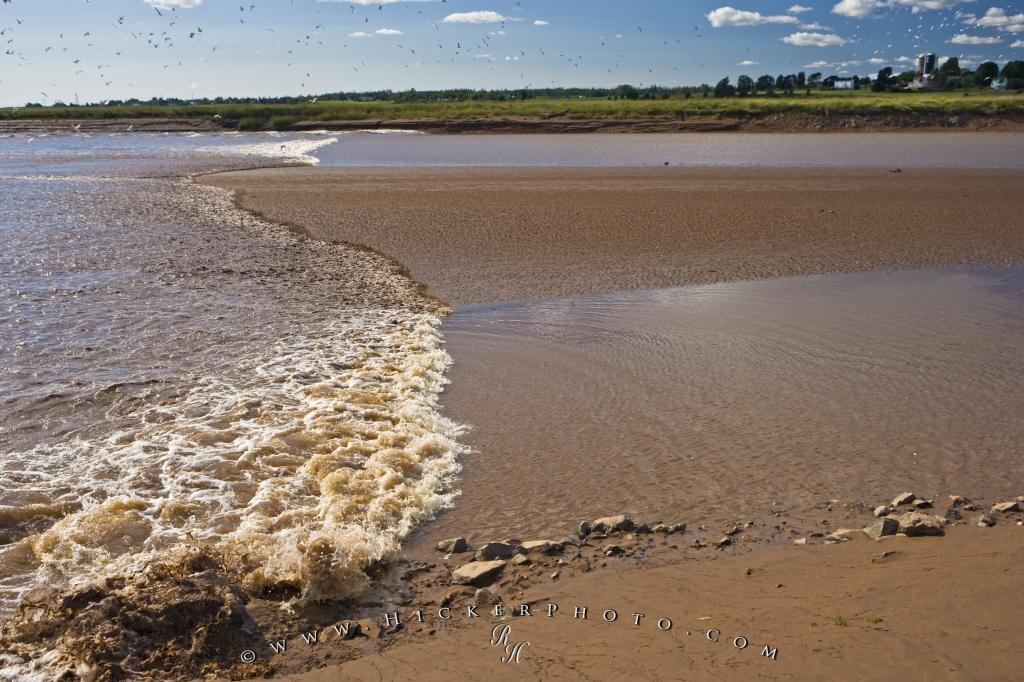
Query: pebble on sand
[{"x": 478, "y": 573}]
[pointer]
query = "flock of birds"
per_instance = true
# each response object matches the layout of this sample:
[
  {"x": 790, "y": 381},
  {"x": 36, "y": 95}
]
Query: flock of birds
[{"x": 189, "y": 47}]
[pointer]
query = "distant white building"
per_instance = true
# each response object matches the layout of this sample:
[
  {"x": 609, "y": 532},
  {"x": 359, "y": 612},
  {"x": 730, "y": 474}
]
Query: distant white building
[
  {"x": 844, "y": 84},
  {"x": 999, "y": 84}
]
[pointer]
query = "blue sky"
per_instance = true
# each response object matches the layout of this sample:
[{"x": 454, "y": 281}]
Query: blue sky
[{"x": 112, "y": 49}]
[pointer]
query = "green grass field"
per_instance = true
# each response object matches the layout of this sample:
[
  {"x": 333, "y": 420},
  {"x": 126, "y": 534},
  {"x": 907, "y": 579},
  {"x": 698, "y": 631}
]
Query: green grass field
[{"x": 818, "y": 102}]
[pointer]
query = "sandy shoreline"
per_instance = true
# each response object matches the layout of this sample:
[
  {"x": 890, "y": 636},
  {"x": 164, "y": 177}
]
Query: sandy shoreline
[
  {"x": 566, "y": 232},
  {"x": 851, "y": 610}
]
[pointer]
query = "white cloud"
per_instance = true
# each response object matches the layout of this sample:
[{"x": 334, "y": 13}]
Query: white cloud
[
  {"x": 541, "y": 22},
  {"x": 1017, "y": 44},
  {"x": 923, "y": 5},
  {"x": 168, "y": 4},
  {"x": 905, "y": 60},
  {"x": 797, "y": 9},
  {"x": 996, "y": 17},
  {"x": 821, "y": 63},
  {"x": 747, "y": 62},
  {"x": 803, "y": 39},
  {"x": 477, "y": 17},
  {"x": 876, "y": 60},
  {"x": 861, "y": 9},
  {"x": 814, "y": 27},
  {"x": 388, "y": 32},
  {"x": 964, "y": 39},
  {"x": 481, "y": 56},
  {"x": 375, "y": 2},
  {"x": 360, "y": 34},
  {"x": 857, "y": 8},
  {"x": 729, "y": 16}
]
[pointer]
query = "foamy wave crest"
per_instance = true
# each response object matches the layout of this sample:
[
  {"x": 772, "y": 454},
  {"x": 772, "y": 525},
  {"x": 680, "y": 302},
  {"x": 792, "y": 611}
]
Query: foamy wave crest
[
  {"x": 294, "y": 150},
  {"x": 317, "y": 465}
]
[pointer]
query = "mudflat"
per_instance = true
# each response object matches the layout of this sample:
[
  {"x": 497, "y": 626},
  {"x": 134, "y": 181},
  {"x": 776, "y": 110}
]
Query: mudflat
[{"x": 475, "y": 235}]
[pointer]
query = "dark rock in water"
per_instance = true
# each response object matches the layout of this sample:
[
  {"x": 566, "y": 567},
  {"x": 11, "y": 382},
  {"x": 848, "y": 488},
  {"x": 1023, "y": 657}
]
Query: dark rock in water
[
  {"x": 882, "y": 527},
  {"x": 453, "y": 546},
  {"x": 495, "y": 550},
  {"x": 983, "y": 520},
  {"x": 478, "y": 573},
  {"x": 916, "y": 524}
]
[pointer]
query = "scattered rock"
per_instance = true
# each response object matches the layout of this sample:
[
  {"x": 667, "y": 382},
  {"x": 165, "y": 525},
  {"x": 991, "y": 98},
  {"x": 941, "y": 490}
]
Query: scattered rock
[
  {"x": 521, "y": 560},
  {"x": 881, "y": 510},
  {"x": 1004, "y": 507},
  {"x": 677, "y": 528},
  {"x": 583, "y": 530},
  {"x": 495, "y": 550},
  {"x": 732, "y": 530},
  {"x": 723, "y": 541},
  {"x": 983, "y": 520},
  {"x": 614, "y": 550},
  {"x": 453, "y": 546},
  {"x": 922, "y": 504},
  {"x": 882, "y": 527},
  {"x": 958, "y": 501},
  {"x": 542, "y": 546},
  {"x": 484, "y": 597},
  {"x": 800, "y": 541},
  {"x": 953, "y": 514},
  {"x": 845, "y": 535},
  {"x": 478, "y": 573},
  {"x": 903, "y": 498},
  {"x": 611, "y": 524},
  {"x": 916, "y": 524}
]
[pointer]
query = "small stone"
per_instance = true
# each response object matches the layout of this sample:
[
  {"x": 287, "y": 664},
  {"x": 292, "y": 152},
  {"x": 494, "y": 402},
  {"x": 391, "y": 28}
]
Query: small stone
[
  {"x": 881, "y": 510},
  {"x": 542, "y": 546},
  {"x": 583, "y": 530},
  {"x": 922, "y": 504},
  {"x": 495, "y": 550},
  {"x": 659, "y": 528},
  {"x": 882, "y": 527},
  {"x": 845, "y": 535},
  {"x": 916, "y": 524},
  {"x": 453, "y": 546},
  {"x": 732, "y": 530},
  {"x": 903, "y": 498},
  {"x": 983, "y": 520},
  {"x": 478, "y": 573},
  {"x": 1004, "y": 507},
  {"x": 611, "y": 524},
  {"x": 521, "y": 560},
  {"x": 723, "y": 541},
  {"x": 484, "y": 597},
  {"x": 614, "y": 550},
  {"x": 677, "y": 528},
  {"x": 958, "y": 501},
  {"x": 554, "y": 576},
  {"x": 800, "y": 541},
  {"x": 953, "y": 514},
  {"x": 643, "y": 529}
]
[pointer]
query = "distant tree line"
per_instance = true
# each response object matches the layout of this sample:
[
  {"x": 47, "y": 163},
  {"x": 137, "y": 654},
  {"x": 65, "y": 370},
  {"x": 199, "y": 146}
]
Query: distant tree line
[{"x": 949, "y": 76}]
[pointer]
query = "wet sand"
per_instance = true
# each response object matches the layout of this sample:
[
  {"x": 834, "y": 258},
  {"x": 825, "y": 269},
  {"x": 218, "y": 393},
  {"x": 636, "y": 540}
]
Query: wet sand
[
  {"x": 475, "y": 235},
  {"x": 934, "y": 609},
  {"x": 786, "y": 387}
]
